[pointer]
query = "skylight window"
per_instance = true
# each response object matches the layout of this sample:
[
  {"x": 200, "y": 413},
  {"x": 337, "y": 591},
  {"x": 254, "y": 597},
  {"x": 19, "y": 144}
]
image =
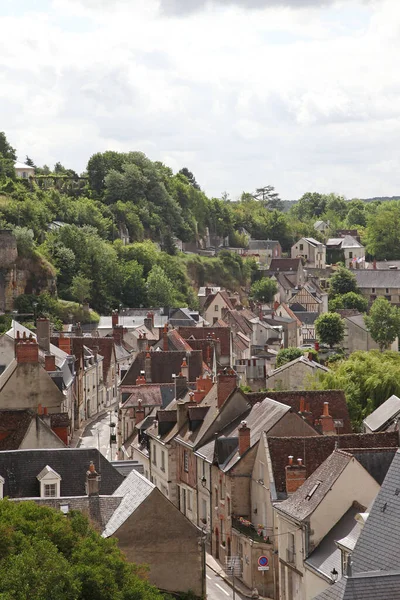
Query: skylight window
[{"x": 313, "y": 490}]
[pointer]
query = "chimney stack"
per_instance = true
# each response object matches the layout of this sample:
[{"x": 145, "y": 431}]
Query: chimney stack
[
  {"x": 203, "y": 386},
  {"x": 147, "y": 367},
  {"x": 296, "y": 475},
  {"x": 92, "y": 481},
  {"x": 226, "y": 383},
  {"x": 244, "y": 438},
  {"x": 26, "y": 350},
  {"x": 43, "y": 334},
  {"x": 114, "y": 318},
  {"x": 165, "y": 338},
  {"x": 64, "y": 343},
  {"x": 185, "y": 369},
  {"x": 327, "y": 422},
  {"x": 374, "y": 264},
  {"x": 141, "y": 380},
  {"x": 118, "y": 334},
  {"x": 149, "y": 321},
  {"x": 302, "y": 406},
  {"x": 139, "y": 413},
  {"x": 50, "y": 362},
  {"x": 181, "y": 413}
]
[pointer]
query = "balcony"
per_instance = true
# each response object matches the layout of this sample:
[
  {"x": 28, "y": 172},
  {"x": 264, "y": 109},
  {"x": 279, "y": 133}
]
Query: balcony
[{"x": 246, "y": 528}]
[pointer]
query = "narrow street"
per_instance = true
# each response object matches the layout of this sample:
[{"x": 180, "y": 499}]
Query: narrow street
[
  {"x": 218, "y": 589},
  {"x": 97, "y": 435}
]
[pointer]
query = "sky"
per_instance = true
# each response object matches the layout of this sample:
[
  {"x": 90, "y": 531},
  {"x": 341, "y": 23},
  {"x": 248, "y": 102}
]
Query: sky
[{"x": 303, "y": 95}]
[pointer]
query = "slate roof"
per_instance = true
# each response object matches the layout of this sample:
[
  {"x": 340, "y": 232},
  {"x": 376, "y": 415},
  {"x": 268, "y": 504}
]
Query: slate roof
[
  {"x": 21, "y": 467},
  {"x": 378, "y": 545},
  {"x": 302, "y": 503},
  {"x": 368, "y": 586},
  {"x": 262, "y": 244},
  {"x": 313, "y": 241},
  {"x": 302, "y": 359},
  {"x": 306, "y": 318},
  {"x": 315, "y": 399},
  {"x": 164, "y": 365},
  {"x": 175, "y": 342},
  {"x": 376, "y": 461},
  {"x": 285, "y": 264},
  {"x": 201, "y": 333},
  {"x": 134, "y": 490},
  {"x": 151, "y": 394},
  {"x": 383, "y": 414},
  {"x": 377, "y": 278},
  {"x": 345, "y": 242},
  {"x": 223, "y": 295},
  {"x": 105, "y": 347},
  {"x": 327, "y": 555},
  {"x": 358, "y": 320},
  {"x": 284, "y": 281},
  {"x": 315, "y": 449}
]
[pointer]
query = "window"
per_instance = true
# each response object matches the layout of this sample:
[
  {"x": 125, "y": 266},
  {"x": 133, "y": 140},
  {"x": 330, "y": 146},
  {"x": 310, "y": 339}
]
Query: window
[
  {"x": 228, "y": 504},
  {"x": 221, "y": 489},
  {"x": 387, "y": 291},
  {"x": 350, "y": 255},
  {"x": 186, "y": 461},
  {"x": 345, "y": 559},
  {"x": 154, "y": 455},
  {"x": 373, "y": 290},
  {"x": 290, "y": 548},
  {"x": 189, "y": 500},
  {"x": 216, "y": 495},
  {"x": 216, "y": 308},
  {"x": 301, "y": 247},
  {"x": 221, "y": 522},
  {"x": 204, "y": 511},
  {"x": 162, "y": 460},
  {"x": 388, "y": 297},
  {"x": 50, "y": 490}
]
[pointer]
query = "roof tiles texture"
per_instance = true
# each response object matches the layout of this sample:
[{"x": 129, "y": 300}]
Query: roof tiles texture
[{"x": 164, "y": 365}]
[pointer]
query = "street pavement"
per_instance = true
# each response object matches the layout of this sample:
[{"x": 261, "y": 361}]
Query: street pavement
[
  {"x": 97, "y": 435},
  {"x": 218, "y": 589}
]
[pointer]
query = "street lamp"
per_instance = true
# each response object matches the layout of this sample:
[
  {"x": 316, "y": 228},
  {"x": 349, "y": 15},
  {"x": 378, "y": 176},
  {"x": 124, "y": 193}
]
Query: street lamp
[{"x": 334, "y": 575}]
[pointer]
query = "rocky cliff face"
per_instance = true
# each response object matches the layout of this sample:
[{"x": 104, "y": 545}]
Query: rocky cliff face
[{"x": 21, "y": 275}]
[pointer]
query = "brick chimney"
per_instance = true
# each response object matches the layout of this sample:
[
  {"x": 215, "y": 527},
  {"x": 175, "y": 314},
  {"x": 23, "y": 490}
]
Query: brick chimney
[
  {"x": 64, "y": 343},
  {"x": 114, "y": 318},
  {"x": 139, "y": 413},
  {"x": 118, "y": 334},
  {"x": 203, "y": 386},
  {"x": 50, "y": 362},
  {"x": 296, "y": 475},
  {"x": 327, "y": 422},
  {"x": 26, "y": 350},
  {"x": 149, "y": 321},
  {"x": 374, "y": 264},
  {"x": 141, "y": 379},
  {"x": 147, "y": 367},
  {"x": 302, "y": 406},
  {"x": 244, "y": 438},
  {"x": 165, "y": 338},
  {"x": 43, "y": 334},
  {"x": 226, "y": 383},
  {"x": 142, "y": 342},
  {"x": 92, "y": 481}
]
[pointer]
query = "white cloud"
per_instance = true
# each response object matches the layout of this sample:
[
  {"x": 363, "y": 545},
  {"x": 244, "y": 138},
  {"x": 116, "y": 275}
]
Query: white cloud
[{"x": 301, "y": 99}]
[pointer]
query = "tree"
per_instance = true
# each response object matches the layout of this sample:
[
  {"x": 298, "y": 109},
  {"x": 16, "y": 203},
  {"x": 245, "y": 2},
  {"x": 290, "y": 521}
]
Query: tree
[
  {"x": 268, "y": 197},
  {"x": 6, "y": 150},
  {"x": 25, "y": 240},
  {"x": 47, "y": 555},
  {"x": 383, "y": 323},
  {"x": 286, "y": 355},
  {"x": 383, "y": 231},
  {"x": 329, "y": 328},
  {"x": 349, "y": 300},
  {"x": 80, "y": 288},
  {"x": 367, "y": 378},
  {"x": 264, "y": 290},
  {"x": 342, "y": 282},
  {"x": 160, "y": 289},
  {"x": 29, "y": 162},
  {"x": 190, "y": 177}
]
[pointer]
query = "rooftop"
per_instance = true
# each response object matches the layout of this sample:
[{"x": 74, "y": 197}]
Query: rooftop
[{"x": 383, "y": 414}]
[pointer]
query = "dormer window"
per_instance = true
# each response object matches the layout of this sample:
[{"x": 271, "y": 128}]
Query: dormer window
[{"x": 50, "y": 482}]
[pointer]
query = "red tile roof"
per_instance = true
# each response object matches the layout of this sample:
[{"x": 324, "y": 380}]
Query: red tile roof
[
  {"x": 164, "y": 365},
  {"x": 315, "y": 449}
]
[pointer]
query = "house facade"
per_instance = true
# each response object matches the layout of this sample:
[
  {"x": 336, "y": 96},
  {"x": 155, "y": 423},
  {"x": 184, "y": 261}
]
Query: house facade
[
  {"x": 311, "y": 251},
  {"x": 346, "y": 249}
]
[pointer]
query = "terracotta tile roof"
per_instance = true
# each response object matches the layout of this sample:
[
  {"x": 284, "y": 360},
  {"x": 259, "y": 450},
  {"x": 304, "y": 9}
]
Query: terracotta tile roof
[
  {"x": 200, "y": 333},
  {"x": 315, "y": 449},
  {"x": 164, "y": 365},
  {"x": 338, "y": 408}
]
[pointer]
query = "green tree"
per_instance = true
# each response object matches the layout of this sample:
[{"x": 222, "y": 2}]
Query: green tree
[
  {"x": 349, "y": 300},
  {"x": 160, "y": 289},
  {"x": 329, "y": 328},
  {"x": 29, "y": 162},
  {"x": 134, "y": 292},
  {"x": 269, "y": 198},
  {"x": 80, "y": 288},
  {"x": 45, "y": 555},
  {"x": 8, "y": 157},
  {"x": 342, "y": 282},
  {"x": 383, "y": 322},
  {"x": 383, "y": 231},
  {"x": 264, "y": 290},
  {"x": 190, "y": 177},
  {"x": 367, "y": 378},
  {"x": 25, "y": 240},
  {"x": 286, "y": 355}
]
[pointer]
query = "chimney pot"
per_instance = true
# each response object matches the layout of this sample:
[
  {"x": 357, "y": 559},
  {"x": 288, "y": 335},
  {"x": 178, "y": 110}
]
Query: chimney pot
[
  {"x": 290, "y": 460},
  {"x": 244, "y": 438},
  {"x": 301, "y": 405},
  {"x": 92, "y": 481},
  {"x": 50, "y": 362}
]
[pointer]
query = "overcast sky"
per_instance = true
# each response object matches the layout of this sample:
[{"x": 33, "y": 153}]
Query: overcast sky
[{"x": 300, "y": 94}]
